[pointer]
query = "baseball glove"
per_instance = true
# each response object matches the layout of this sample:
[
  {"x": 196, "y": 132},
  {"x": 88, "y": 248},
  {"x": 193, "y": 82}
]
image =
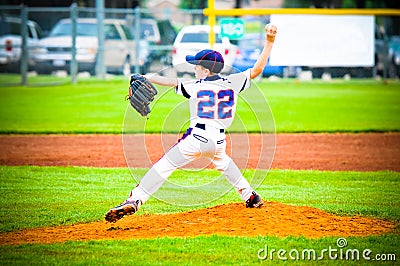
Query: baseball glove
[{"x": 141, "y": 94}]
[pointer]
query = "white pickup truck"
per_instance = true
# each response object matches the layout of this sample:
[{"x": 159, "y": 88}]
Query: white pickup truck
[
  {"x": 54, "y": 51},
  {"x": 11, "y": 43}
]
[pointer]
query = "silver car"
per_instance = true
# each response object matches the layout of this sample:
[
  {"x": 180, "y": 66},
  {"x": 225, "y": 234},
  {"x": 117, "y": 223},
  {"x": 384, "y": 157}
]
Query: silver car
[{"x": 54, "y": 52}]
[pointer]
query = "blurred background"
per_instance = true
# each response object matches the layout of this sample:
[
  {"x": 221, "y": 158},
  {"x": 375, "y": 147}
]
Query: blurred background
[{"x": 85, "y": 38}]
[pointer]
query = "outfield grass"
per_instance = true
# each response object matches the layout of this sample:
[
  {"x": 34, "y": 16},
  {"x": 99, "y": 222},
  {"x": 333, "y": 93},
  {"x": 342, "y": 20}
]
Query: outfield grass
[
  {"x": 94, "y": 106},
  {"x": 7, "y": 80},
  {"x": 44, "y": 196}
]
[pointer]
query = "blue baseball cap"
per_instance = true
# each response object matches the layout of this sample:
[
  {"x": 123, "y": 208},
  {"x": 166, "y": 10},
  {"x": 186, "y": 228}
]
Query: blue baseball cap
[{"x": 209, "y": 59}]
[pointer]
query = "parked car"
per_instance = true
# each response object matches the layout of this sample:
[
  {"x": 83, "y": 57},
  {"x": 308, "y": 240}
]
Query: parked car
[
  {"x": 192, "y": 39},
  {"x": 168, "y": 35},
  {"x": 54, "y": 52},
  {"x": 149, "y": 30},
  {"x": 157, "y": 33},
  {"x": 381, "y": 49},
  {"x": 11, "y": 43},
  {"x": 167, "y": 32},
  {"x": 394, "y": 56},
  {"x": 249, "y": 49}
]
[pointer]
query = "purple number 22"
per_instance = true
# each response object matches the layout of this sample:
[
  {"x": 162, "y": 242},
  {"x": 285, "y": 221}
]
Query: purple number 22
[{"x": 225, "y": 102}]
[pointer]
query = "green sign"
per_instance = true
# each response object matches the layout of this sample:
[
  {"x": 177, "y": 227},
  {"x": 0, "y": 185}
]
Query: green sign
[{"x": 233, "y": 28}]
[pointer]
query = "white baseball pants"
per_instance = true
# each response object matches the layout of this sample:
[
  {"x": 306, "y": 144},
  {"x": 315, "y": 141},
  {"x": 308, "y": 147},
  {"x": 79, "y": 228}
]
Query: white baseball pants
[{"x": 196, "y": 142}]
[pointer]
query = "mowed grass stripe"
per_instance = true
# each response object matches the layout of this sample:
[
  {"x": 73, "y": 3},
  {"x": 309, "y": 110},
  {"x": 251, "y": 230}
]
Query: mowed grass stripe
[
  {"x": 35, "y": 196},
  {"x": 208, "y": 250},
  {"x": 96, "y": 106}
]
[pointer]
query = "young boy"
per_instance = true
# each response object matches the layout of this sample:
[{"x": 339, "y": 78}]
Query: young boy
[{"x": 212, "y": 101}]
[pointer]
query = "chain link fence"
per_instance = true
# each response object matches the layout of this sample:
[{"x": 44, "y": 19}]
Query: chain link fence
[{"x": 66, "y": 44}]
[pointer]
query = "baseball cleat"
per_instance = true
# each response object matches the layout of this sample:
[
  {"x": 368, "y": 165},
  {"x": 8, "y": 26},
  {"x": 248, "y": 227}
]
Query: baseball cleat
[
  {"x": 254, "y": 201},
  {"x": 126, "y": 208}
]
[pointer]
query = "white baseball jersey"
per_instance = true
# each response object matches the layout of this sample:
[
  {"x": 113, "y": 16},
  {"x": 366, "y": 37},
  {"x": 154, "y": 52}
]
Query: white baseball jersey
[{"x": 213, "y": 100}]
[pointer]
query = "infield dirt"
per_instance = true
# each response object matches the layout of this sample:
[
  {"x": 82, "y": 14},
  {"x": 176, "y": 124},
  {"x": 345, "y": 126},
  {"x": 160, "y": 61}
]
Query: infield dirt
[
  {"x": 334, "y": 152},
  {"x": 353, "y": 152}
]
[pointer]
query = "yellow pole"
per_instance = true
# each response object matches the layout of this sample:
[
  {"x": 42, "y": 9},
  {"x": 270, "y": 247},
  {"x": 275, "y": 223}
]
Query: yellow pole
[
  {"x": 211, "y": 11},
  {"x": 211, "y": 22}
]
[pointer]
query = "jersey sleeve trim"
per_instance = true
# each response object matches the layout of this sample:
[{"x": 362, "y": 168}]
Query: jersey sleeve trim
[
  {"x": 244, "y": 85},
  {"x": 184, "y": 92},
  {"x": 180, "y": 89}
]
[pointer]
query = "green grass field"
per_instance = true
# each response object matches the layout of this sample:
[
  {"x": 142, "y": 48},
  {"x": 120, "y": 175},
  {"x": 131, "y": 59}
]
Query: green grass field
[
  {"x": 35, "y": 196},
  {"x": 94, "y": 106},
  {"x": 66, "y": 195},
  {"x": 46, "y": 196}
]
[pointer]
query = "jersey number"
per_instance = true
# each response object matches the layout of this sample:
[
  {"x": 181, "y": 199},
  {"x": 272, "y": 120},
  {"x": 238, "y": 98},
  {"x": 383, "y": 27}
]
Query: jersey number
[{"x": 224, "y": 101}]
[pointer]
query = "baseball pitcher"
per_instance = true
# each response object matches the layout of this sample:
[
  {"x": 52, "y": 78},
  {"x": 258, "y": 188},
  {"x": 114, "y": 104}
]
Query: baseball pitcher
[{"x": 212, "y": 100}]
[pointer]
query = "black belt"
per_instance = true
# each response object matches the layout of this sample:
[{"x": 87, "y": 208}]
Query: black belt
[{"x": 203, "y": 127}]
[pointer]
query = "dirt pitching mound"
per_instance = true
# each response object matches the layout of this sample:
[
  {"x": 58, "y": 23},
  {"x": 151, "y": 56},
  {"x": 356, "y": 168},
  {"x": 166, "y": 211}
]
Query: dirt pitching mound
[{"x": 273, "y": 219}]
